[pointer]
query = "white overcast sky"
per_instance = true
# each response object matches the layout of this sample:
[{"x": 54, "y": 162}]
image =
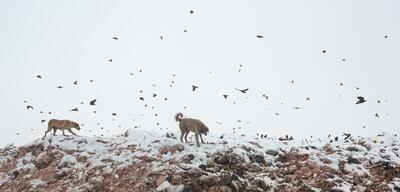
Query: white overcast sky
[{"x": 72, "y": 40}]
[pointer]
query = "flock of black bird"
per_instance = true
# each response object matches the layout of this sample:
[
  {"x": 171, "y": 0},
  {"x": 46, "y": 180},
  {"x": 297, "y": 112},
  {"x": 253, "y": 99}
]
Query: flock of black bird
[{"x": 359, "y": 99}]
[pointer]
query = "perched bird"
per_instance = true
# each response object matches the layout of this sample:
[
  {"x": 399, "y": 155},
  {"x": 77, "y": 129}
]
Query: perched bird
[
  {"x": 194, "y": 87},
  {"x": 75, "y": 109},
  {"x": 260, "y": 36},
  {"x": 39, "y": 76},
  {"x": 341, "y": 84},
  {"x": 185, "y": 31},
  {"x": 343, "y": 59},
  {"x": 292, "y": 81},
  {"x": 225, "y": 96},
  {"x": 242, "y": 90},
  {"x": 93, "y": 102},
  {"x": 336, "y": 138},
  {"x": 360, "y": 100},
  {"x": 29, "y": 107},
  {"x": 115, "y": 38}
]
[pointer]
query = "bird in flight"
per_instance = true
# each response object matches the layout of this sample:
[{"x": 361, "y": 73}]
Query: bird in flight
[
  {"x": 29, "y": 107},
  {"x": 194, "y": 87},
  {"x": 260, "y": 36},
  {"x": 39, "y": 76},
  {"x": 76, "y": 82},
  {"x": 75, "y": 109},
  {"x": 93, "y": 102},
  {"x": 242, "y": 90},
  {"x": 360, "y": 100},
  {"x": 225, "y": 96},
  {"x": 115, "y": 38},
  {"x": 60, "y": 87}
]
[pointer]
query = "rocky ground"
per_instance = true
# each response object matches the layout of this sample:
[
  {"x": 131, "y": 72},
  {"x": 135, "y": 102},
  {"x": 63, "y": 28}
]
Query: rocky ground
[{"x": 140, "y": 160}]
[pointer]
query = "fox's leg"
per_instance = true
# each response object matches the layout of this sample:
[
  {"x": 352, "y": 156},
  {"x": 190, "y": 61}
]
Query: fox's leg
[
  {"x": 54, "y": 131},
  {"x": 69, "y": 130},
  {"x": 63, "y": 132}
]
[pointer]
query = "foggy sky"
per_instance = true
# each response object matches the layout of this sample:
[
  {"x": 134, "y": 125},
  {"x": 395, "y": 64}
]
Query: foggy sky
[{"x": 66, "y": 41}]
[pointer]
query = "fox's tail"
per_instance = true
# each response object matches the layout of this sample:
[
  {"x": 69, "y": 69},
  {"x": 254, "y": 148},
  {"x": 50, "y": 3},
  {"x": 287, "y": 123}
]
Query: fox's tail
[{"x": 178, "y": 117}]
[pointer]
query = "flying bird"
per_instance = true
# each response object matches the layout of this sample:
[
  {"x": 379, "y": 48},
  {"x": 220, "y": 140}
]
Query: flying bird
[
  {"x": 191, "y": 11},
  {"x": 296, "y": 107},
  {"x": 76, "y": 82},
  {"x": 360, "y": 100},
  {"x": 185, "y": 31},
  {"x": 347, "y": 135},
  {"x": 110, "y": 60},
  {"x": 154, "y": 95},
  {"x": 324, "y": 51},
  {"x": 141, "y": 98},
  {"x": 75, "y": 109},
  {"x": 308, "y": 99},
  {"x": 260, "y": 36},
  {"x": 341, "y": 84},
  {"x": 377, "y": 115},
  {"x": 194, "y": 87},
  {"x": 93, "y": 102},
  {"x": 39, "y": 76},
  {"x": 29, "y": 107},
  {"x": 161, "y": 37},
  {"x": 115, "y": 38},
  {"x": 60, "y": 87},
  {"x": 225, "y": 96},
  {"x": 242, "y": 90},
  {"x": 386, "y": 36},
  {"x": 114, "y": 114},
  {"x": 42, "y": 121}
]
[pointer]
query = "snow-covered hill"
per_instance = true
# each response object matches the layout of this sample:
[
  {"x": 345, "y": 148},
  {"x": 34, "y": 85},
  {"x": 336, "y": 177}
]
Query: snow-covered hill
[{"x": 140, "y": 160}]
